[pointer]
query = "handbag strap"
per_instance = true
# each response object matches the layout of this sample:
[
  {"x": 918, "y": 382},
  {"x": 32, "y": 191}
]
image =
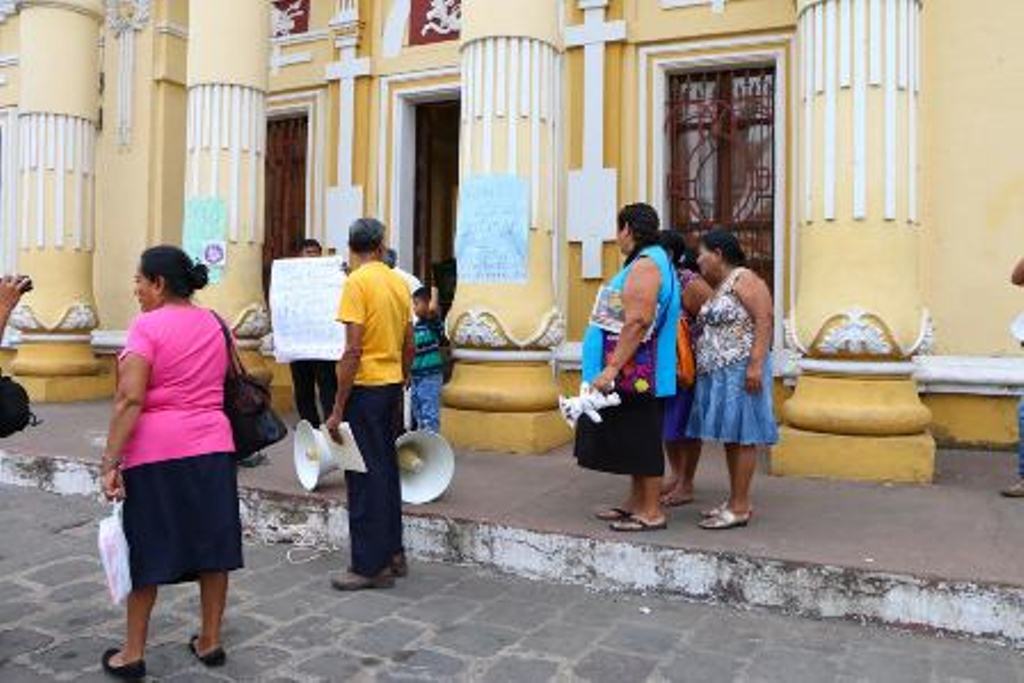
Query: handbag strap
[{"x": 235, "y": 366}]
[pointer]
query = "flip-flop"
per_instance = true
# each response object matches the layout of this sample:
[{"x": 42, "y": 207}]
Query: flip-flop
[
  {"x": 213, "y": 658},
  {"x": 613, "y": 515},
  {"x": 726, "y": 519},
  {"x": 637, "y": 525}
]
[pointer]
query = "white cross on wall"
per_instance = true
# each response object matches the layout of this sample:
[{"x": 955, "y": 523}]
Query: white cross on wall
[{"x": 593, "y": 190}]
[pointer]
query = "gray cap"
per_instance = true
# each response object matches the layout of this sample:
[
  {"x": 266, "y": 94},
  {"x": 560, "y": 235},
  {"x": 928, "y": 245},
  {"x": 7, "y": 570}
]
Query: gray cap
[{"x": 365, "y": 235}]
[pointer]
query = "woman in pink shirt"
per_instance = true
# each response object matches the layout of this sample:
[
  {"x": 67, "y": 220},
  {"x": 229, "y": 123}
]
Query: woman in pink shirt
[{"x": 169, "y": 456}]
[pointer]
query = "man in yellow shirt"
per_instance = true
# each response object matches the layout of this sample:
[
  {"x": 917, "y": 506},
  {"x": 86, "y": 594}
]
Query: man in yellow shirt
[{"x": 371, "y": 375}]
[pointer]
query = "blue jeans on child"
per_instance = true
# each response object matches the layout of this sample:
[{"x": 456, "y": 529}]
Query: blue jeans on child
[{"x": 426, "y": 401}]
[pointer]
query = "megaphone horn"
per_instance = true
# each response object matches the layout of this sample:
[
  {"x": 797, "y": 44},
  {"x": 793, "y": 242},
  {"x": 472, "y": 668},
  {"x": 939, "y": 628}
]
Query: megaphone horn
[
  {"x": 426, "y": 466},
  {"x": 316, "y": 455}
]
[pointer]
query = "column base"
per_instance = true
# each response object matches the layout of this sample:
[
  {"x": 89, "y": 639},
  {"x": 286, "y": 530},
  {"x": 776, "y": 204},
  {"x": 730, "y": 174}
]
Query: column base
[
  {"x": 68, "y": 389},
  {"x": 903, "y": 459},
  {"x": 534, "y": 433}
]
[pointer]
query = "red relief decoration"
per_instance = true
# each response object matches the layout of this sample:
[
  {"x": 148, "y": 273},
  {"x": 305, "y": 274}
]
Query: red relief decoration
[
  {"x": 289, "y": 17},
  {"x": 434, "y": 21}
]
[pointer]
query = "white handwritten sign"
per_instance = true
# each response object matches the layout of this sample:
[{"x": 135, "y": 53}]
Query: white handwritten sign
[
  {"x": 304, "y": 298},
  {"x": 492, "y": 241}
]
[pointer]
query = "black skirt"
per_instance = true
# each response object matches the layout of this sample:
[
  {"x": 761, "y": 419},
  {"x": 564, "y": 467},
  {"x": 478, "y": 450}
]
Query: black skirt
[
  {"x": 181, "y": 519},
  {"x": 627, "y": 441}
]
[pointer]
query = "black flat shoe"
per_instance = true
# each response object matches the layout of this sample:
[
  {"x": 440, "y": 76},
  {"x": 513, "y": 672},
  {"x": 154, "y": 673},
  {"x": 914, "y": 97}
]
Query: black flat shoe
[
  {"x": 213, "y": 658},
  {"x": 135, "y": 671}
]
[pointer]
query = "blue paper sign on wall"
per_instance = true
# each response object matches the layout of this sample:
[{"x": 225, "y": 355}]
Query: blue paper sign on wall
[
  {"x": 493, "y": 235},
  {"x": 204, "y": 235}
]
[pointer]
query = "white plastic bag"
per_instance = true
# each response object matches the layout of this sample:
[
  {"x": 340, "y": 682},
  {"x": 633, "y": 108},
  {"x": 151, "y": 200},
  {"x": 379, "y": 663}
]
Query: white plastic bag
[{"x": 114, "y": 555}]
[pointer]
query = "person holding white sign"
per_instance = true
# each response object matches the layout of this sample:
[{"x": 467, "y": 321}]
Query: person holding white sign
[{"x": 313, "y": 378}]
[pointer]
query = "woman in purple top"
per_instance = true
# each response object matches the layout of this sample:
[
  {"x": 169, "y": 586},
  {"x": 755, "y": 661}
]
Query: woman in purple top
[{"x": 683, "y": 453}]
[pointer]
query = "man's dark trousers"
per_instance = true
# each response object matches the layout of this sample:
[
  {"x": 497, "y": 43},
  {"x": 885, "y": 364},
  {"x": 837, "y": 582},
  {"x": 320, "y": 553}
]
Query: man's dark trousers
[
  {"x": 309, "y": 376},
  {"x": 375, "y": 498}
]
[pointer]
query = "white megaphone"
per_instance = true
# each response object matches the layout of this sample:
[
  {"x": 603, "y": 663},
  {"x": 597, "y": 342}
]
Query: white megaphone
[
  {"x": 426, "y": 466},
  {"x": 317, "y": 455}
]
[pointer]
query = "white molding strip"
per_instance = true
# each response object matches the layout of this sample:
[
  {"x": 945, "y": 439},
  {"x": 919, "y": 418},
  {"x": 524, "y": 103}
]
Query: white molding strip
[
  {"x": 807, "y": 23},
  {"x": 890, "y": 109},
  {"x": 7, "y": 61},
  {"x": 860, "y": 108},
  {"x": 845, "y": 33},
  {"x": 173, "y": 30},
  {"x": 9, "y": 160},
  {"x": 912, "y": 113},
  {"x": 831, "y": 95},
  {"x": 108, "y": 342},
  {"x": 478, "y": 356},
  {"x": 876, "y": 39},
  {"x": 301, "y": 38}
]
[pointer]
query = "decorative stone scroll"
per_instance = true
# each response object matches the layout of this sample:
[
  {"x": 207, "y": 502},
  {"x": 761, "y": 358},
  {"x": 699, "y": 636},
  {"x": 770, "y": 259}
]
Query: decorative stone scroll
[
  {"x": 855, "y": 333},
  {"x": 481, "y": 328},
  {"x": 78, "y": 317},
  {"x": 253, "y": 323}
]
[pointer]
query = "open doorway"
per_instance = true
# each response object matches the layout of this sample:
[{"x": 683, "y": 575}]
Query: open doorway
[
  {"x": 287, "y": 146},
  {"x": 436, "y": 192}
]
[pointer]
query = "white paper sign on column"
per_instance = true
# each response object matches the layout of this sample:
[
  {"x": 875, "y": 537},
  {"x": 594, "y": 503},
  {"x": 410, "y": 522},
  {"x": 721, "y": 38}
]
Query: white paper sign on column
[{"x": 304, "y": 298}]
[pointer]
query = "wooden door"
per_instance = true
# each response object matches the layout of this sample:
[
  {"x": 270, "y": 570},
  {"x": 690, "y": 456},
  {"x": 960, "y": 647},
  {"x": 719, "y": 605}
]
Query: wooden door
[{"x": 287, "y": 141}]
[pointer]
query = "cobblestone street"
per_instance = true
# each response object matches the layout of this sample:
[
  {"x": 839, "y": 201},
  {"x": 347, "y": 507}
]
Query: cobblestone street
[{"x": 443, "y": 623}]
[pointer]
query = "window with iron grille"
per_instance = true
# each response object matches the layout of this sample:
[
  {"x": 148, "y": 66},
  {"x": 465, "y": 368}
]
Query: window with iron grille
[{"x": 721, "y": 136}]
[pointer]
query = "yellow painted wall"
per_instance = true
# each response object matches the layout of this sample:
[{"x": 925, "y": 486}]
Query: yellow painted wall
[{"x": 973, "y": 178}]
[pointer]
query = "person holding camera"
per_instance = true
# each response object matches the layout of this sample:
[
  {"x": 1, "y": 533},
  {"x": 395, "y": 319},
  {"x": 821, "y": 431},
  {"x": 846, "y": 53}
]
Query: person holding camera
[{"x": 12, "y": 288}]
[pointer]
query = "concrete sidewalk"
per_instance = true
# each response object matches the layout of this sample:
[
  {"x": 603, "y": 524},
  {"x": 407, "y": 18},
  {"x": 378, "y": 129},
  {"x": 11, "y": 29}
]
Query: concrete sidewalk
[{"x": 944, "y": 556}]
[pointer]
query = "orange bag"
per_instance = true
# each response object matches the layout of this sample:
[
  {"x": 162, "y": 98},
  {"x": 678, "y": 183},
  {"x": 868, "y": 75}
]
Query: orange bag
[{"x": 686, "y": 365}]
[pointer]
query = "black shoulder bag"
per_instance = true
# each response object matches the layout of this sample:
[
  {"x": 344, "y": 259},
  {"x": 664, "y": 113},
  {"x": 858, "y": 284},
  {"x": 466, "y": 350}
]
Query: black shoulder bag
[
  {"x": 247, "y": 403},
  {"x": 15, "y": 409}
]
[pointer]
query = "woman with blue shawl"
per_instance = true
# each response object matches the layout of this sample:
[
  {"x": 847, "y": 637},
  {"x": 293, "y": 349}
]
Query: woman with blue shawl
[{"x": 630, "y": 348}]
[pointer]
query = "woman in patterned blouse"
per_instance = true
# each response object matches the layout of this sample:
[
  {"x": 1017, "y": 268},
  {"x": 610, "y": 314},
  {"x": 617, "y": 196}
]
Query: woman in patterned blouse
[{"x": 733, "y": 402}]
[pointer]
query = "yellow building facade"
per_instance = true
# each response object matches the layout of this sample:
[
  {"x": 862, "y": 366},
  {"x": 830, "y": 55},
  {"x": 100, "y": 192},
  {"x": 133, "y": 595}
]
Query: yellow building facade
[{"x": 863, "y": 150}]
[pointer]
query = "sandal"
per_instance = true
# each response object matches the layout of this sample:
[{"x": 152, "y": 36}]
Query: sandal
[
  {"x": 635, "y": 524},
  {"x": 719, "y": 509},
  {"x": 726, "y": 519},
  {"x": 135, "y": 671},
  {"x": 613, "y": 515},
  {"x": 213, "y": 658},
  {"x": 1015, "y": 491}
]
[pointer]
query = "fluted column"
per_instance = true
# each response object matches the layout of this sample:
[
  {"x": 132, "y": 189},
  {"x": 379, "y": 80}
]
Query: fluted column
[
  {"x": 505, "y": 323},
  {"x": 59, "y": 103},
  {"x": 859, "y": 317},
  {"x": 228, "y": 53}
]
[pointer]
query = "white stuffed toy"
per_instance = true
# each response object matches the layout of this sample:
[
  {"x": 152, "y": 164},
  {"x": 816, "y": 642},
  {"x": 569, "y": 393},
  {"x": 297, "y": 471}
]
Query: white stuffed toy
[{"x": 590, "y": 402}]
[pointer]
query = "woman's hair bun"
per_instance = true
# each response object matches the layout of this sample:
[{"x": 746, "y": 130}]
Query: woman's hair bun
[{"x": 199, "y": 276}]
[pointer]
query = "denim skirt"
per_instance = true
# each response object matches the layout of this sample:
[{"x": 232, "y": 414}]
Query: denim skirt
[{"x": 724, "y": 411}]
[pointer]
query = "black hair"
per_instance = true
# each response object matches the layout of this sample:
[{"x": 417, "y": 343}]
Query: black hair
[
  {"x": 181, "y": 275},
  {"x": 643, "y": 222},
  {"x": 725, "y": 242},
  {"x": 422, "y": 294},
  {"x": 674, "y": 243},
  {"x": 310, "y": 243}
]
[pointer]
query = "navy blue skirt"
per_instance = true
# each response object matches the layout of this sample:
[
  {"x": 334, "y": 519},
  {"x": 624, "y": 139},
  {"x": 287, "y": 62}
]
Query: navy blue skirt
[{"x": 181, "y": 519}]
